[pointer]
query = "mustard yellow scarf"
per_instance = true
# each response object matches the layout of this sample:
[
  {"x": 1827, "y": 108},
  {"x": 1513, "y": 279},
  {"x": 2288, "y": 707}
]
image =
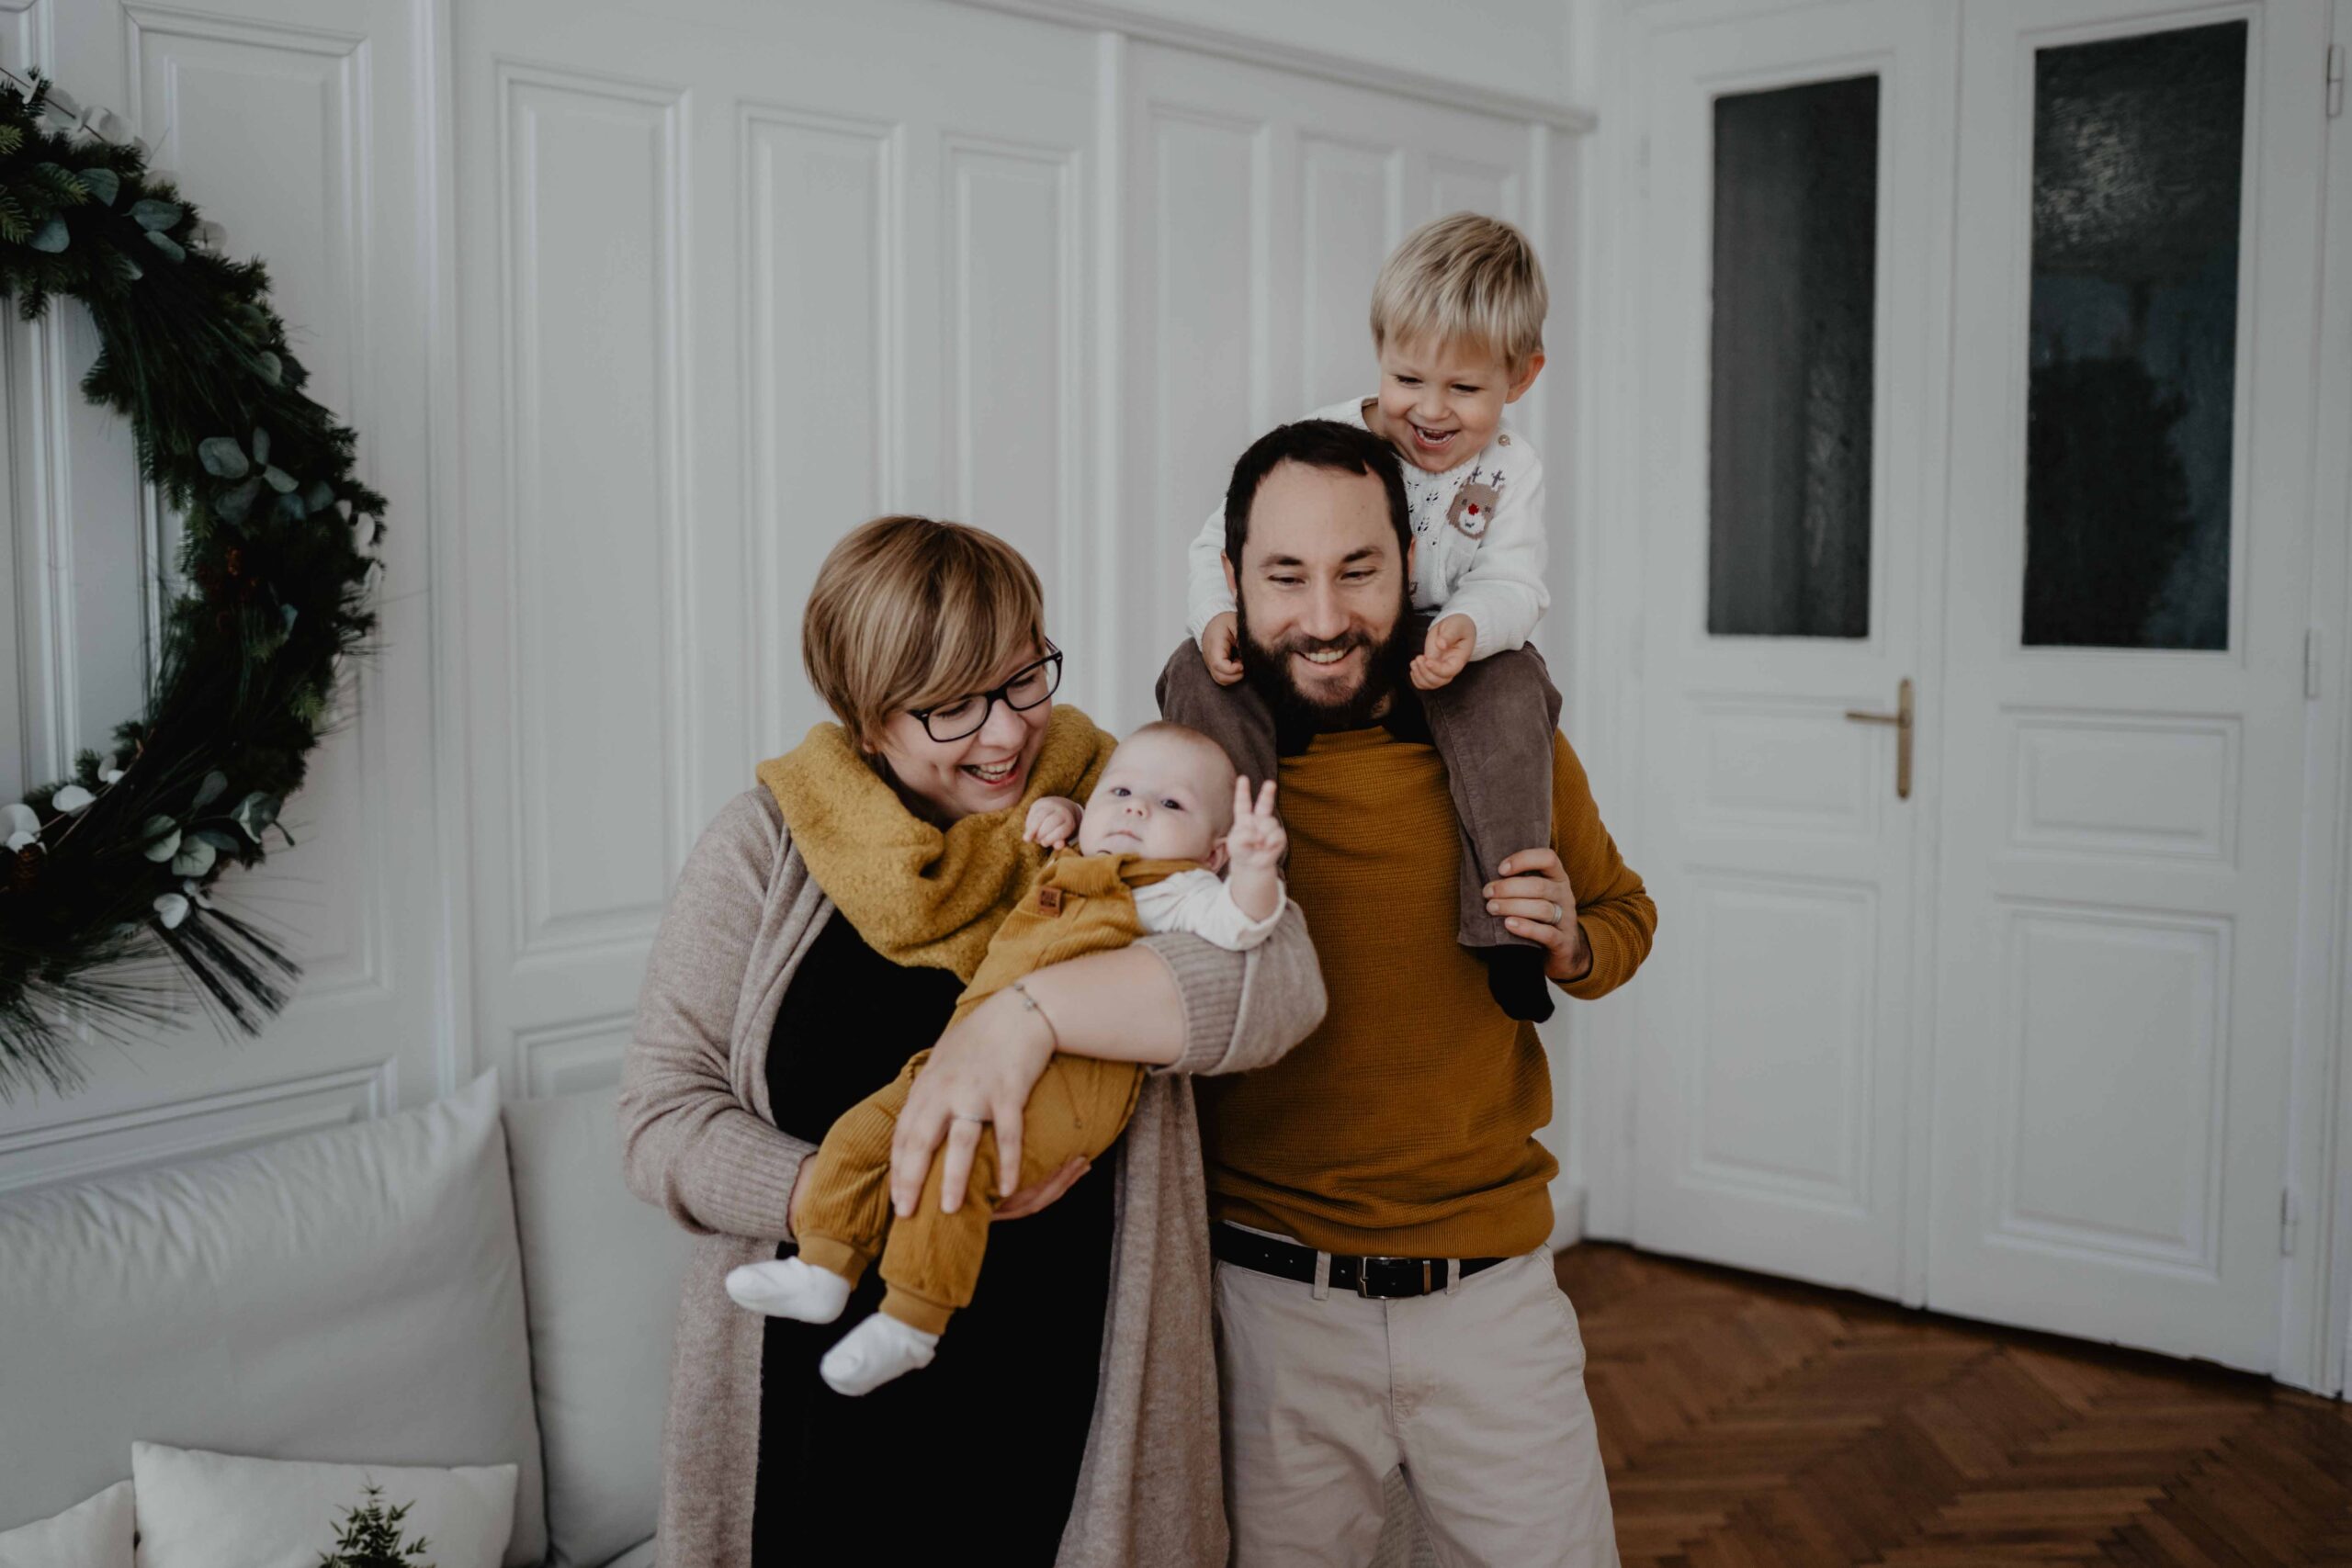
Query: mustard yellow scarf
[{"x": 920, "y": 894}]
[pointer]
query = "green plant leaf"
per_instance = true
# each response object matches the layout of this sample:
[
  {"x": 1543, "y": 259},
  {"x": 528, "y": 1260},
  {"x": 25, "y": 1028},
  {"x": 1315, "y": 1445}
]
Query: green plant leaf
[
  {"x": 51, "y": 238},
  {"x": 103, "y": 183},
  {"x": 273, "y": 369},
  {"x": 156, "y": 216},
  {"x": 320, "y": 496},
  {"x": 222, "y": 457},
  {"x": 163, "y": 836},
  {"x": 215, "y": 784},
  {"x": 233, "y": 505},
  {"x": 166, "y": 245},
  {"x": 280, "y": 480}
]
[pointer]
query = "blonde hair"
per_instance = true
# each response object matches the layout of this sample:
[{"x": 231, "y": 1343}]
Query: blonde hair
[
  {"x": 1219, "y": 804},
  {"x": 1463, "y": 278},
  {"x": 908, "y": 613}
]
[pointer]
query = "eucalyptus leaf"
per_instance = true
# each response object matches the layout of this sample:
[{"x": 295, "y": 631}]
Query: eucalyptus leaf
[
  {"x": 170, "y": 909},
  {"x": 261, "y": 444},
  {"x": 195, "y": 858},
  {"x": 320, "y": 496},
  {"x": 280, "y": 480},
  {"x": 103, "y": 183},
  {"x": 290, "y": 615},
  {"x": 162, "y": 838},
  {"x": 222, "y": 457},
  {"x": 227, "y": 844},
  {"x": 255, "y": 812},
  {"x": 232, "y": 505},
  {"x": 51, "y": 237},
  {"x": 165, "y": 244},
  {"x": 131, "y": 271},
  {"x": 290, "y": 505},
  {"x": 273, "y": 369},
  {"x": 215, "y": 786},
  {"x": 154, "y": 216}
]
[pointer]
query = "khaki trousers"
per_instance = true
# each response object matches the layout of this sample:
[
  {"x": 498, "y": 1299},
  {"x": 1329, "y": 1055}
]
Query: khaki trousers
[{"x": 1477, "y": 1392}]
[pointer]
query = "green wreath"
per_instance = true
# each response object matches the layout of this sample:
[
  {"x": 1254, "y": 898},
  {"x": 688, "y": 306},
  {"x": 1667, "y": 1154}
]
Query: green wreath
[{"x": 106, "y": 925}]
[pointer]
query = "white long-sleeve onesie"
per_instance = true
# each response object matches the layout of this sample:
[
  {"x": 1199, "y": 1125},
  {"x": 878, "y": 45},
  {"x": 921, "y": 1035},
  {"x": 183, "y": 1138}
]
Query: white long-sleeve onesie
[
  {"x": 1199, "y": 902},
  {"x": 1478, "y": 545}
]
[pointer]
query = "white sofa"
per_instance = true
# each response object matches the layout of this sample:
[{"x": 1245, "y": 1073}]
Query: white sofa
[{"x": 466, "y": 1284}]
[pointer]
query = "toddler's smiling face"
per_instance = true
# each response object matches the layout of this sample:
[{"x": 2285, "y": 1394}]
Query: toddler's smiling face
[{"x": 1441, "y": 403}]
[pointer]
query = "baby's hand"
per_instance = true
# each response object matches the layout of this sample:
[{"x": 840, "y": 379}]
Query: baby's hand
[
  {"x": 1052, "y": 821},
  {"x": 1445, "y": 654},
  {"x": 1255, "y": 839},
  {"x": 1220, "y": 647}
]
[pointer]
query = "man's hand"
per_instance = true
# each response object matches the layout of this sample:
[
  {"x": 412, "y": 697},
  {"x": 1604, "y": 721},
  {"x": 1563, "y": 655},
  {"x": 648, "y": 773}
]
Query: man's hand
[
  {"x": 1221, "y": 647},
  {"x": 1256, "y": 841},
  {"x": 1053, "y": 822},
  {"x": 1537, "y": 902},
  {"x": 1445, "y": 653},
  {"x": 1037, "y": 1194}
]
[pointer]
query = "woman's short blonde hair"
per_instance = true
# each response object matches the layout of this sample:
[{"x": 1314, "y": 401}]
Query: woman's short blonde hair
[
  {"x": 1463, "y": 278},
  {"x": 908, "y": 613}
]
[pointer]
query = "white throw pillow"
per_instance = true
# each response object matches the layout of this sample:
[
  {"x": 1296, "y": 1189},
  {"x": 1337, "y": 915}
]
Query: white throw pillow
[
  {"x": 206, "y": 1510},
  {"x": 93, "y": 1533}
]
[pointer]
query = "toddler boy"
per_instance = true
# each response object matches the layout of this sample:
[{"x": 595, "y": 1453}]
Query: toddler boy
[{"x": 1457, "y": 327}]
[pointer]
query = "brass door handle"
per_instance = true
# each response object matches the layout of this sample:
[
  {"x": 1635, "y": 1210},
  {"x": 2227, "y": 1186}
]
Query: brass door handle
[{"x": 1902, "y": 720}]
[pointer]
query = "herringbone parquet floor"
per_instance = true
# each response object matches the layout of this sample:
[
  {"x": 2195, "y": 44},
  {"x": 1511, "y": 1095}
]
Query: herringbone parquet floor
[{"x": 1749, "y": 1422}]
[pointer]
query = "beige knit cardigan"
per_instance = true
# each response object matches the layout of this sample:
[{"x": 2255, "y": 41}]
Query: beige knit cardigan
[{"x": 700, "y": 1139}]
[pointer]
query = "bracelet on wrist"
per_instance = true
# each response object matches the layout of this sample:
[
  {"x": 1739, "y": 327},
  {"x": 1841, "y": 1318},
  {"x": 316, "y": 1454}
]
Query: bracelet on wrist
[{"x": 1020, "y": 990}]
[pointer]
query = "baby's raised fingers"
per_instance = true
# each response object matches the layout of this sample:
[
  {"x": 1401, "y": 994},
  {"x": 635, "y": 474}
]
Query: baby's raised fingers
[{"x": 1265, "y": 799}]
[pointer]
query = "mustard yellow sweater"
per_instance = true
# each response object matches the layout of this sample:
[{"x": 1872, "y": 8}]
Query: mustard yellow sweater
[{"x": 1405, "y": 1124}]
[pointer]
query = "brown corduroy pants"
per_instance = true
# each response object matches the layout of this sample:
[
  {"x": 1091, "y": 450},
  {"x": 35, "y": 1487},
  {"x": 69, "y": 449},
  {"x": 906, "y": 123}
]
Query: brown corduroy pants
[{"x": 931, "y": 1260}]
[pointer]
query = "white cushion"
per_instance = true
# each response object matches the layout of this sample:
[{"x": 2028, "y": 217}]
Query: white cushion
[
  {"x": 207, "y": 1510},
  {"x": 353, "y": 1295},
  {"x": 93, "y": 1533},
  {"x": 638, "y": 1556},
  {"x": 602, "y": 1273}
]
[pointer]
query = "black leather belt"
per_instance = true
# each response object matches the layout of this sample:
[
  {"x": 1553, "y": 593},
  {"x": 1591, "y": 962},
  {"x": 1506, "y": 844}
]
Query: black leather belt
[{"x": 1376, "y": 1279}]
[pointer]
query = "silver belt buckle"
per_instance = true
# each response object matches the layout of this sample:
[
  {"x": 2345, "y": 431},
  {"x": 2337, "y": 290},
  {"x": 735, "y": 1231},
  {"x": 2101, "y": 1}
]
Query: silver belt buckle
[{"x": 1364, "y": 1277}]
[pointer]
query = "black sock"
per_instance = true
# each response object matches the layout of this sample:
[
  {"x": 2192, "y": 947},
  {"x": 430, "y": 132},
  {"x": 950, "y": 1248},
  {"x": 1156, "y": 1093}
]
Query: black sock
[{"x": 1515, "y": 979}]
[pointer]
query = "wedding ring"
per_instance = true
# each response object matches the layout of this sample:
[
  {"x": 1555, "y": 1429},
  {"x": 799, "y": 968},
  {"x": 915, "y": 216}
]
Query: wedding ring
[
  {"x": 1558, "y": 914},
  {"x": 961, "y": 1117}
]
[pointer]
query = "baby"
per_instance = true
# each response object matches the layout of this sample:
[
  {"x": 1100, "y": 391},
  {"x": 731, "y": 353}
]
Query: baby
[
  {"x": 1167, "y": 814},
  {"x": 1457, "y": 327}
]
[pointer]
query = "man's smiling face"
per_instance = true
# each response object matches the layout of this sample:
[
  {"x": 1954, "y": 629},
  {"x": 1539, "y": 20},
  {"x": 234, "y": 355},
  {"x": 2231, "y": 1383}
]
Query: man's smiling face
[{"x": 1322, "y": 591}]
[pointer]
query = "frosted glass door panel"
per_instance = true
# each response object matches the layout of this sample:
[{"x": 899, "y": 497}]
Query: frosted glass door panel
[
  {"x": 2137, "y": 144},
  {"x": 1789, "y": 449}
]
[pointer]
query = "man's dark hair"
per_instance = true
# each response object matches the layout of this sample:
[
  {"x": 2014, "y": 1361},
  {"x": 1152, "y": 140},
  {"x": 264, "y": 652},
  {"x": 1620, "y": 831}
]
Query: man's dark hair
[{"x": 1319, "y": 443}]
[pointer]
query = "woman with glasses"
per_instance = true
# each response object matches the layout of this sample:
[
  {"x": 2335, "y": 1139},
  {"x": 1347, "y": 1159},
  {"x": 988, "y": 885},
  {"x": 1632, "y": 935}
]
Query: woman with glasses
[{"x": 819, "y": 935}]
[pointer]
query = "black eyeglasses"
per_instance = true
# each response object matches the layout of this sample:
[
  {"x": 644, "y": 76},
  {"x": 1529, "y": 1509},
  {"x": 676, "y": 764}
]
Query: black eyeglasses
[{"x": 1030, "y": 684}]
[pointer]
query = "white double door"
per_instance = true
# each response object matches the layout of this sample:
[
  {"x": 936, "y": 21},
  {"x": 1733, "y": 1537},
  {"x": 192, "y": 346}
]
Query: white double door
[{"x": 1965, "y": 377}]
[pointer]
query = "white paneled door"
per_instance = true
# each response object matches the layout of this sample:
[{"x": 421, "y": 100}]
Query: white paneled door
[
  {"x": 2124, "y": 707},
  {"x": 1791, "y": 203},
  {"x": 1990, "y": 1005}
]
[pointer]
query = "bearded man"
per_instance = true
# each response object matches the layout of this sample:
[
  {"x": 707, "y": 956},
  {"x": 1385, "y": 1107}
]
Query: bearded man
[{"x": 1385, "y": 1294}]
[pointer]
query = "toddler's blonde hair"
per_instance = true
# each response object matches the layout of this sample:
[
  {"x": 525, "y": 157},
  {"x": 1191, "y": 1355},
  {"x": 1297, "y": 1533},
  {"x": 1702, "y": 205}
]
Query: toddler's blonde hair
[
  {"x": 907, "y": 613},
  {"x": 1463, "y": 278}
]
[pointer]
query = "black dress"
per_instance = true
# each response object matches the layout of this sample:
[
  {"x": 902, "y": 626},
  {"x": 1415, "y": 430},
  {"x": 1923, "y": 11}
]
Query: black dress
[{"x": 975, "y": 1458}]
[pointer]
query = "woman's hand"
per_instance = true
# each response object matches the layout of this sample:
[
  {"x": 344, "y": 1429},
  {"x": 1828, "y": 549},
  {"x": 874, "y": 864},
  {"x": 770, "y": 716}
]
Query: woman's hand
[
  {"x": 1537, "y": 902},
  {"x": 980, "y": 1072},
  {"x": 1038, "y": 1194}
]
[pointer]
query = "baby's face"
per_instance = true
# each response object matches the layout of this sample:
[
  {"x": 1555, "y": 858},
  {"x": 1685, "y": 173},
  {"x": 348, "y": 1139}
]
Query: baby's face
[
  {"x": 1441, "y": 403},
  {"x": 1161, "y": 798}
]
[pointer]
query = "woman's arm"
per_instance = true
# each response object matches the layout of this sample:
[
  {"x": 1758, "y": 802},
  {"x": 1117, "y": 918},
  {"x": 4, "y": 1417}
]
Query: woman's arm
[
  {"x": 687, "y": 1143},
  {"x": 1171, "y": 1001}
]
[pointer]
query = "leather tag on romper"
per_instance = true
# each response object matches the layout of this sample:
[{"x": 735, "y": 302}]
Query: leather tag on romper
[{"x": 1049, "y": 900}]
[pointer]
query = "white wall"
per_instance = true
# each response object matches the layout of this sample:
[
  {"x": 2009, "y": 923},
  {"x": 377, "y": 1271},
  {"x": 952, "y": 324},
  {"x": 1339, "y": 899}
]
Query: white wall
[{"x": 634, "y": 321}]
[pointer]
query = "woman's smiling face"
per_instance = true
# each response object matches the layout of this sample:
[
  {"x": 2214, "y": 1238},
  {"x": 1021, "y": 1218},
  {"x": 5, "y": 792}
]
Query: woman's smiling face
[{"x": 985, "y": 771}]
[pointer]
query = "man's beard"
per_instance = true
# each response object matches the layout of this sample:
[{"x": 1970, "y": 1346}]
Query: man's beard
[{"x": 1267, "y": 668}]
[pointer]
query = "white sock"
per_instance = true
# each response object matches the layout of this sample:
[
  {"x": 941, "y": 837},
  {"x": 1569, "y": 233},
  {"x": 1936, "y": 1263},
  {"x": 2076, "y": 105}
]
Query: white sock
[
  {"x": 874, "y": 1352},
  {"x": 790, "y": 1288}
]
